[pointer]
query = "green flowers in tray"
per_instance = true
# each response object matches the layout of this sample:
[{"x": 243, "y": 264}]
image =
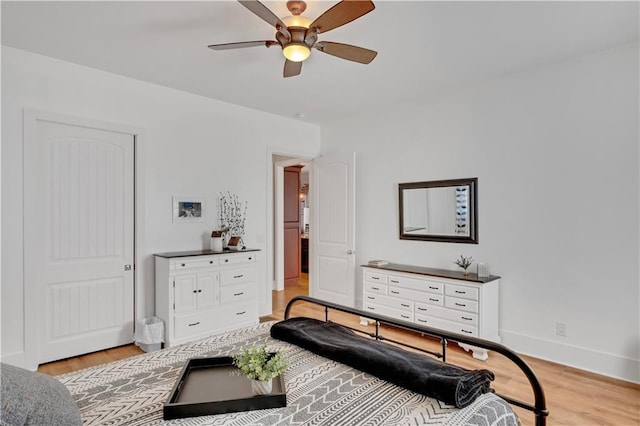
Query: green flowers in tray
[{"x": 258, "y": 364}]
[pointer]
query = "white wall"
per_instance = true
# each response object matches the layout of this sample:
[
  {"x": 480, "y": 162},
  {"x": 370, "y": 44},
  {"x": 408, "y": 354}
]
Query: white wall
[
  {"x": 191, "y": 146},
  {"x": 555, "y": 150}
]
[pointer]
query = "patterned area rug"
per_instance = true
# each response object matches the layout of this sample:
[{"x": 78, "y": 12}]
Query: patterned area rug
[{"x": 319, "y": 391}]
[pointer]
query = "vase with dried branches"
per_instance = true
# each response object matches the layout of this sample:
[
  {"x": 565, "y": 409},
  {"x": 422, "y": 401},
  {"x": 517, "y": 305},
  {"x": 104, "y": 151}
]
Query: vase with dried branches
[{"x": 232, "y": 215}]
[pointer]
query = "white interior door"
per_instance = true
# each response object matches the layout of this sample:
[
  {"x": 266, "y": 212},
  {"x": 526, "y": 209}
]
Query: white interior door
[
  {"x": 79, "y": 238},
  {"x": 332, "y": 258}
]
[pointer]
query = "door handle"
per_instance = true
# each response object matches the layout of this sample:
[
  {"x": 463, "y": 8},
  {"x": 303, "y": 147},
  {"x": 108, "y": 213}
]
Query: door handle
[{"x": 127, "y": 267}]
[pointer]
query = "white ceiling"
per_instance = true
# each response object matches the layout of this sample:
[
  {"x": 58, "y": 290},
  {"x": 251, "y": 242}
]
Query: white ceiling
[{"x": 423, "y": 46}]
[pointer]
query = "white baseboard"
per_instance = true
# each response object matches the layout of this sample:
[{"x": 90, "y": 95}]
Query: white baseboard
[
  {"x": 606, "y": 364},
  {"x": 277, "y": 287},
  {"x": 17, "y": 359}
]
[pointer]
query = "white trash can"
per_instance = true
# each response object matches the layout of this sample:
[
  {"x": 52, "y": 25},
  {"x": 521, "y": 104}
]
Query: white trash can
[{"x": 149, "y": 334}]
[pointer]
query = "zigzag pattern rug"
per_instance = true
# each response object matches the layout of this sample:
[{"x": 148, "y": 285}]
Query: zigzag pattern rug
[{"x": 319, "y": 391}]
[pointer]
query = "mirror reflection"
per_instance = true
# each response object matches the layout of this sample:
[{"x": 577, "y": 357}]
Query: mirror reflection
[{"x": 439, "y": 210}]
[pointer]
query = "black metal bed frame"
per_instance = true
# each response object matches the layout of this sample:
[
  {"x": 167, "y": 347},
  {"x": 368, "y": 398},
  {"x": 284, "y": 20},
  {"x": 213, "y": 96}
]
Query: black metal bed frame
[{"x": 538, "y": 408}]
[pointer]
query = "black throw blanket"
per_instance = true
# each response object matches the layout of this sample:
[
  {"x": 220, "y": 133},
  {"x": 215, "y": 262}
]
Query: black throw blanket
[{"x": 416, "y": 372}]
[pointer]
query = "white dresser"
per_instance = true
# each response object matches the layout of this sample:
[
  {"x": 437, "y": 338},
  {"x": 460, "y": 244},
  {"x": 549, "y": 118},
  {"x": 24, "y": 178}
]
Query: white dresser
[
  {"x": 435, "y": 298},
  {"x": 202, "y": 292}
]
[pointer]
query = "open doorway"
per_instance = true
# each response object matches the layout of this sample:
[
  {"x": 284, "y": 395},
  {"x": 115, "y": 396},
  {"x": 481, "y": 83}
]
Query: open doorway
[{"x": 291, "y": 230}]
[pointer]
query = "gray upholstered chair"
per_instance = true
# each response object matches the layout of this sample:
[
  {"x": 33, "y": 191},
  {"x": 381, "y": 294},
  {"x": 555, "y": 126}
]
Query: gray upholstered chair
[{"x": 31, "y": 398}]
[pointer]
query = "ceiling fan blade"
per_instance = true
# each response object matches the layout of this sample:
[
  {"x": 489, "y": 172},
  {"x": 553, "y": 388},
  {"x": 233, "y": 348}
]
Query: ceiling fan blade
[
  {"x": 347, "y": 51},
  {"x": 239, "y": 45},
  {"x": 342, "y": 13},
  {"x": 291, "y": 69},
  {"x": 263, "y": 12}
]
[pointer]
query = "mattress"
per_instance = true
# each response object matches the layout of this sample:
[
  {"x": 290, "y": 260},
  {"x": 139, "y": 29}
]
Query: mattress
[{"x": 319, "y": 391}]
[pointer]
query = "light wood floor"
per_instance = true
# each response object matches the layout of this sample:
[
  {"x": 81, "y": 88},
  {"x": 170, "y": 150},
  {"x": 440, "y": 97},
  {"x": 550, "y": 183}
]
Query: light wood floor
[{"x": 574, "y": 397}]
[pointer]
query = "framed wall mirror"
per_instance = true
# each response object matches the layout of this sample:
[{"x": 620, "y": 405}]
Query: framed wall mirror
[{"x": 440, "y": 210}]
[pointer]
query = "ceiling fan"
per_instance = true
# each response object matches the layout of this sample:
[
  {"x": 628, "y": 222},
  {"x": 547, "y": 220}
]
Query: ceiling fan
[{"x": 297, "y": 35}]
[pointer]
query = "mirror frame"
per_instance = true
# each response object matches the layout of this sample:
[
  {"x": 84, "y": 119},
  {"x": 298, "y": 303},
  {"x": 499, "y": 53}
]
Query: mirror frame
[{"x": 473, "y": 210}]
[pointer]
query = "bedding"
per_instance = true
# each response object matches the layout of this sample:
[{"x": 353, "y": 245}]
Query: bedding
[
  {"x": 417, "y": 372},
  {"x": 320, "y": 391}
]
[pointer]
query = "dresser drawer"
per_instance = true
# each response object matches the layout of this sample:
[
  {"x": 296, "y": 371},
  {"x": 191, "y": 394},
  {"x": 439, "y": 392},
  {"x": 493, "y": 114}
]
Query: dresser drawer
[
  {"x": 236, "y": 276},
  {"x": 461, "y": 291},
  {"x": 406, "y": 282},
  {"x": 388, "y": 311},
  {"x": 187, "y": 263},
  {"x": 370, "y": 287},
  {"x": 193, "y": 325},
  {"x": 238, "y": 313},
  {"x": 432, "y": 299},
  {"x": 446, "y": 313},
  {"x": 467, "y": 330},
  {"x": 233, "y": 259},
  {"x": 417, "y": 296},
  {"x": 236, "y": 293},
  {"x": 461, "y": 304},
  {"x": 432, "y": 287},
  {"x": 375, "y": 277},
  {"x": 405, "y": 305},
  {"x": 430, "y": 310}
]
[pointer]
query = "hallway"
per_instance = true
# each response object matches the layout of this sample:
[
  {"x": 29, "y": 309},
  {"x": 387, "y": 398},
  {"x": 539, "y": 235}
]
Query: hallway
[{"x": 281, "y": 298}]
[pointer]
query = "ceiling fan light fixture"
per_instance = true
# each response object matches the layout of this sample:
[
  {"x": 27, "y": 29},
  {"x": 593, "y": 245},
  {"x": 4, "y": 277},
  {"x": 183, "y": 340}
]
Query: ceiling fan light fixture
[
  {"x": 296, "y": 21},
  {"x": 296, "y": 52}
]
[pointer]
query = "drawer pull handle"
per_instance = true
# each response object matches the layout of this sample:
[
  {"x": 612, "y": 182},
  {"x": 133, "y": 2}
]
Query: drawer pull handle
[
  {"x": 395, "y": 281},
  {"x": 404, "y": 304},
  {"x": 238, "y": 294},
  {"x": 434, "y": 300},
  {"x": 375, "y": 278},
  {"x": 241, "y": 313},
  {"x": 211, "y": 262},
  {"x": 433, "y": 288},
  {"x": 195, "y": 291},
  {"x": 183, "y": 265},
  {"x": 371, "y": 297},
  {"x": 395, "y": 292},
  {"x": 422, "y": 309},
  {"x": 466, "y": 331},
  {"x": 460, "y": 304},
  {"x": 226, "y": 261},
  {"x": 466, "y": 319},
  {"x": 421, "y": 320},
  {"x": 404, "y": 316},
  {"x": 200, "y": 291},
  {"x": 250, "y": 258},
  {"x": 238, "y": 276},
  {"x": 195, "y": 323},
  {"x": 375, "y": 288},
  {"x": 370, "y": 308},
  {"x": 461, "y": 292}
]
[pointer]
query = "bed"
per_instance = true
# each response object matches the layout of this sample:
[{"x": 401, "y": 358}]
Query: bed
[{"x": 320, "y": 391}]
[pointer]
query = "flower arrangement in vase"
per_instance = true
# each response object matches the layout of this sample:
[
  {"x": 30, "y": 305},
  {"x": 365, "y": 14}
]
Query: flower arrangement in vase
[
  {"x": 232, "y": 215},
  {"x": 464, "y": 263},
  {"x": 260, "y": 366}
]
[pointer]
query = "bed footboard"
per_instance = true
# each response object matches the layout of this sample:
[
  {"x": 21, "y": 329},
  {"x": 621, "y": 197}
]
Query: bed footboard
[{"x": 538, "y": 408}]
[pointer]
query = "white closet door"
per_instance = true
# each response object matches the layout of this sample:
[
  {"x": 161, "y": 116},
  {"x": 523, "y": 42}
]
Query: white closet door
[
  {"x": 332, "y": 258},
  {"x": 79, "y": 220}
]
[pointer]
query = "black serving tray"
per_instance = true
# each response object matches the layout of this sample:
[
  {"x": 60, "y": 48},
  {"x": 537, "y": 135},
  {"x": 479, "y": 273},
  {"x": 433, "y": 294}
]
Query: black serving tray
[{"x": 206, "y": 386}]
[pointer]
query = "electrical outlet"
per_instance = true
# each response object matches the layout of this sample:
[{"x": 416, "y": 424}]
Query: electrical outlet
[{"x": 561, "y": 329}]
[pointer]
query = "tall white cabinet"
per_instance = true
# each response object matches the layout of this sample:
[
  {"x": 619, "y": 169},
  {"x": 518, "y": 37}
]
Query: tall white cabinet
[
  {"x": 199, "y": 293},
  {"x": 435, "y": 298}
]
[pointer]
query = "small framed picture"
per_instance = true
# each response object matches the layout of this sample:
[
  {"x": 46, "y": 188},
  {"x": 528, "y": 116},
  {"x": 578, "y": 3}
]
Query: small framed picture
[{"x": 188, "y": 209}]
